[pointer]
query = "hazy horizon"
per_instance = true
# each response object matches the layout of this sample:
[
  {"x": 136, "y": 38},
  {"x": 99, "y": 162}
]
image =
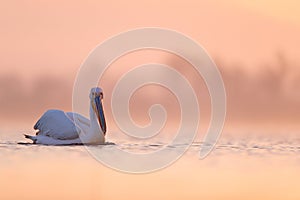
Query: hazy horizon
[{"x": 255, "y": 45}]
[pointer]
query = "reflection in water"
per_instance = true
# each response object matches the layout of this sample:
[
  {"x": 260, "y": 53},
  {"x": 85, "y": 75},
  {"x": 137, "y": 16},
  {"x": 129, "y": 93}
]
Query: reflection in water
[{"x": 236, "y": 169}]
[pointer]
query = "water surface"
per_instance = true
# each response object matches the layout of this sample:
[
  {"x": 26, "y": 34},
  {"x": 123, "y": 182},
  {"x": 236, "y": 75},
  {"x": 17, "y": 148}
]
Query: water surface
[{"x": 238, "y": 168}]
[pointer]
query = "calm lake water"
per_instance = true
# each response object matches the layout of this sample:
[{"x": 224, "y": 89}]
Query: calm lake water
[{"x": 238, "y": 168}]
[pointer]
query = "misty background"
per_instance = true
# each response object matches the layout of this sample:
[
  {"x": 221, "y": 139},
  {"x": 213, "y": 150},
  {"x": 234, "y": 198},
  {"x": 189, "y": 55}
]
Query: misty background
[
  {"x": 255, "y": 44},
  {"x": 265, "y": 97}
]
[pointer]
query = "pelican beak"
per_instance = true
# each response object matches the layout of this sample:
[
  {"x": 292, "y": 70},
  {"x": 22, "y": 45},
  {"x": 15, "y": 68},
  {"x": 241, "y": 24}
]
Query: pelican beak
[{"x": 100, "y": 114}]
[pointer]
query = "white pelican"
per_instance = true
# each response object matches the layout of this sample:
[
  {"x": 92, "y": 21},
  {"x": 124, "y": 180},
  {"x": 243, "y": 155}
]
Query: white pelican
[{"x": 56, "y": 127}]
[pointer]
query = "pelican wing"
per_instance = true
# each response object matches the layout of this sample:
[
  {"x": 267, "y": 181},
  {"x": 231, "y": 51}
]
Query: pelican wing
[
  {"x": 82, "y": 122},
  {"x": 56, "y": 124},
  {"x": 80, "y": 119}
]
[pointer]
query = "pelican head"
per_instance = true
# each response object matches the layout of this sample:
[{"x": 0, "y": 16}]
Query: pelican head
[{"x": 96, "y": 96}]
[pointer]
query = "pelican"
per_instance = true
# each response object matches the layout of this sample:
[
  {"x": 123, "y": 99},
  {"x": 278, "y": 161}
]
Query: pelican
[{"x": 57, "y": 127}]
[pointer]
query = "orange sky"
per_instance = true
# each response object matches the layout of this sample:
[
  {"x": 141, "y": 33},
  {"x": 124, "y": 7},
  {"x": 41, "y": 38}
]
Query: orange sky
[
  {"x": 44, "y": 43},
  {"x": 38, "y": 36}
]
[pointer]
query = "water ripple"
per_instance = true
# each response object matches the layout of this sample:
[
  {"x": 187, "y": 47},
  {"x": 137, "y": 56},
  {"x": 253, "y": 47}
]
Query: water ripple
[{"x": 242, "y": 146}]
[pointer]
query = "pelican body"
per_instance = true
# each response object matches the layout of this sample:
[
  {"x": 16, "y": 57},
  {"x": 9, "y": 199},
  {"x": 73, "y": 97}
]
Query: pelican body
[{"x": 57, "y": 127}]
